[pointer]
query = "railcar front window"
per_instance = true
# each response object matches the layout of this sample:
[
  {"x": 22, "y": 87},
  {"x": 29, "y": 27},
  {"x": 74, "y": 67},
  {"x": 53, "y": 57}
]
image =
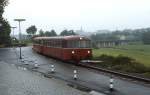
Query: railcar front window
[{"x": 79, "y": 44}]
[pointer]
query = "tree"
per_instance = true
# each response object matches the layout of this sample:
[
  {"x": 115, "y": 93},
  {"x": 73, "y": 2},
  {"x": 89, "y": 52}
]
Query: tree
[
  {"x": 146, "y": 37},
  {"x": 67, "y": 33},
  {"x": 48, "y": 33},
  {"x": 53, "y": 33},
  {"x": 3, "y": 3},
  {"x": 4, "y": 32},
  {"x": 31, "y": 30},
  {"x": 41, "y": 33},
  {"x": 71, "y": 32},
  {"x": 64, "y": 32},
  {"x": 4, "y": 25}
]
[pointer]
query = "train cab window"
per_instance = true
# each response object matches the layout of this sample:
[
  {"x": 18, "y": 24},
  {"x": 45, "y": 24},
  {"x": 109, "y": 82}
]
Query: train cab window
[
  {"x": 82, "y": 44},
  {"x": 78, "y": 44}
]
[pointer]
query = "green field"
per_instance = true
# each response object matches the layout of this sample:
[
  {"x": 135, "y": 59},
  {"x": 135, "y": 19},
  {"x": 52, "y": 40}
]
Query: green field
[{"x": 141, "y": 53}]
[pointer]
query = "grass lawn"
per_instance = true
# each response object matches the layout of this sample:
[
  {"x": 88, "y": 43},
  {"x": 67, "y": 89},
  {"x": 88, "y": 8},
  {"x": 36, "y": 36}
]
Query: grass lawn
[{"x": 141, "y": 53}]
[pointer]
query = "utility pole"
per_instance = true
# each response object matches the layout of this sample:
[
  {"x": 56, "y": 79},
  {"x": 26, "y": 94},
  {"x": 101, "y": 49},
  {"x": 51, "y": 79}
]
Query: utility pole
[{"x": 20, "y": 20}]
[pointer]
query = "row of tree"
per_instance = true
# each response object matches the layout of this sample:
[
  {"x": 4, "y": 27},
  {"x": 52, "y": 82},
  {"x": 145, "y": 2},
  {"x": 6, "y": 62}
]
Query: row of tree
[
  {"x": 142, "y": 35},
  {"x": 4, "y": 25},
  {"x": 128, "y": 34},
  {"x": 31, "y": 31},
  {"x": 47, "y": 33}
]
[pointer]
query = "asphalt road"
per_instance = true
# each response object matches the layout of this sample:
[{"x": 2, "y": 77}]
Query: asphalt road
[{"x": 89, "y": 78}]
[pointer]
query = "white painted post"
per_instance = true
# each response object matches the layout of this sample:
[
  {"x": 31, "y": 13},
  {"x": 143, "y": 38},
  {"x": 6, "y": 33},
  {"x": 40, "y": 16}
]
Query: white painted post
[
  {"x": 36, "y": 65},
  {"x": 52, "y": 69},
  {"x": 111, "y": 84},
  {"x": 75, "y": 75}
]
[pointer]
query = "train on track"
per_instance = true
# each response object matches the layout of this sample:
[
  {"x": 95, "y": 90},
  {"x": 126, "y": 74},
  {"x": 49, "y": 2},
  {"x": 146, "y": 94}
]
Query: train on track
[{"x": 66, "y": 48}]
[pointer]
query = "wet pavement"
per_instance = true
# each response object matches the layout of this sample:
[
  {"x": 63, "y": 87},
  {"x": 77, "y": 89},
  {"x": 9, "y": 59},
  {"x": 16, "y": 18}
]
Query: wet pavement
[
  {"x": 16, "y": 80},
  {"x": 90, "y": 79}
]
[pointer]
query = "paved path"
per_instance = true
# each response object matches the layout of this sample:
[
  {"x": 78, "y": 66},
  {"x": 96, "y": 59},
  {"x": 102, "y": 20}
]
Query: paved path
[
  {"x": 89, "y": 78},
  {"x": 19, "y": 81}
]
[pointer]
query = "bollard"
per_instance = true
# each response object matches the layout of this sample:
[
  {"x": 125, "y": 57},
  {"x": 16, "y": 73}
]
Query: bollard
[
  {"x": 111, "y": 84},
  {"x": 22, "y": 60},
  {"x": 36, "y": 65},
  {"x": 52, "y": 69},
  {"x": 24, "y": 69},
  {"x": 75, "y": 75}
]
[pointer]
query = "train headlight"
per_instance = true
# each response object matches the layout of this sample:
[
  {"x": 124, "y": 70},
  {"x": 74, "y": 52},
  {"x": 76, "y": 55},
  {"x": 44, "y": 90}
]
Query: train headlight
[
  {"x": 73, "y": 52},
  {"x": 88, "y": 51}
]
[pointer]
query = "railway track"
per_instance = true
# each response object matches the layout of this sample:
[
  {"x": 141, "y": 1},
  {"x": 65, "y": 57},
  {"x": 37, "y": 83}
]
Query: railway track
[{"x": 133, "y": 77}]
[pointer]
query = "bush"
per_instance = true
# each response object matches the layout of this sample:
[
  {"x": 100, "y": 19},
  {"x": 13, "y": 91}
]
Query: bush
[
  {"x": 1, "y": 46},
  {"x": 122, "y": 63},
  {"x": 106, "y": 58},
  {"x": 122, "y": 60},
  {"x": 140, "y": 68},
  {"x": 147, "y": 74}
]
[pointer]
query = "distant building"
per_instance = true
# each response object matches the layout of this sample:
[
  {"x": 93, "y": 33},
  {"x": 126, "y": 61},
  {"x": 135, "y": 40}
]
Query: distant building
[
  {"x": 110, "y": 43},
  {"x": 102, "y": 31},
  {"x": 122, "y": 37},
  {"x": 83, "y": 33}
]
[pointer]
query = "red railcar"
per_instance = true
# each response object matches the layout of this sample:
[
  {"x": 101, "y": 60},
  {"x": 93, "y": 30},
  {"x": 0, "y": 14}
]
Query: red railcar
[{"x": 66, "y": 48}]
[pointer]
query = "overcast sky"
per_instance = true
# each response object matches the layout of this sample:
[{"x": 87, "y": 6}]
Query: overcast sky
[{"x": 92, "y": 15}]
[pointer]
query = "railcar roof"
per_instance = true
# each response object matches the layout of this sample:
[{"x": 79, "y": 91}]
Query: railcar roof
[{"x": 63, "y": 38}]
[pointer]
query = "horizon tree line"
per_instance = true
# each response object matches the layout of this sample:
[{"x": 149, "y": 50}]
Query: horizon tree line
[
  {"x": 142, "y": 35},
  {"x": 32, "y": 30}
]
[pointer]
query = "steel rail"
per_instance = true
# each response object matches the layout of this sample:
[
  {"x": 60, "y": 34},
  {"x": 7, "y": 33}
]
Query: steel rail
[{"x": 116, "y": 73}]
